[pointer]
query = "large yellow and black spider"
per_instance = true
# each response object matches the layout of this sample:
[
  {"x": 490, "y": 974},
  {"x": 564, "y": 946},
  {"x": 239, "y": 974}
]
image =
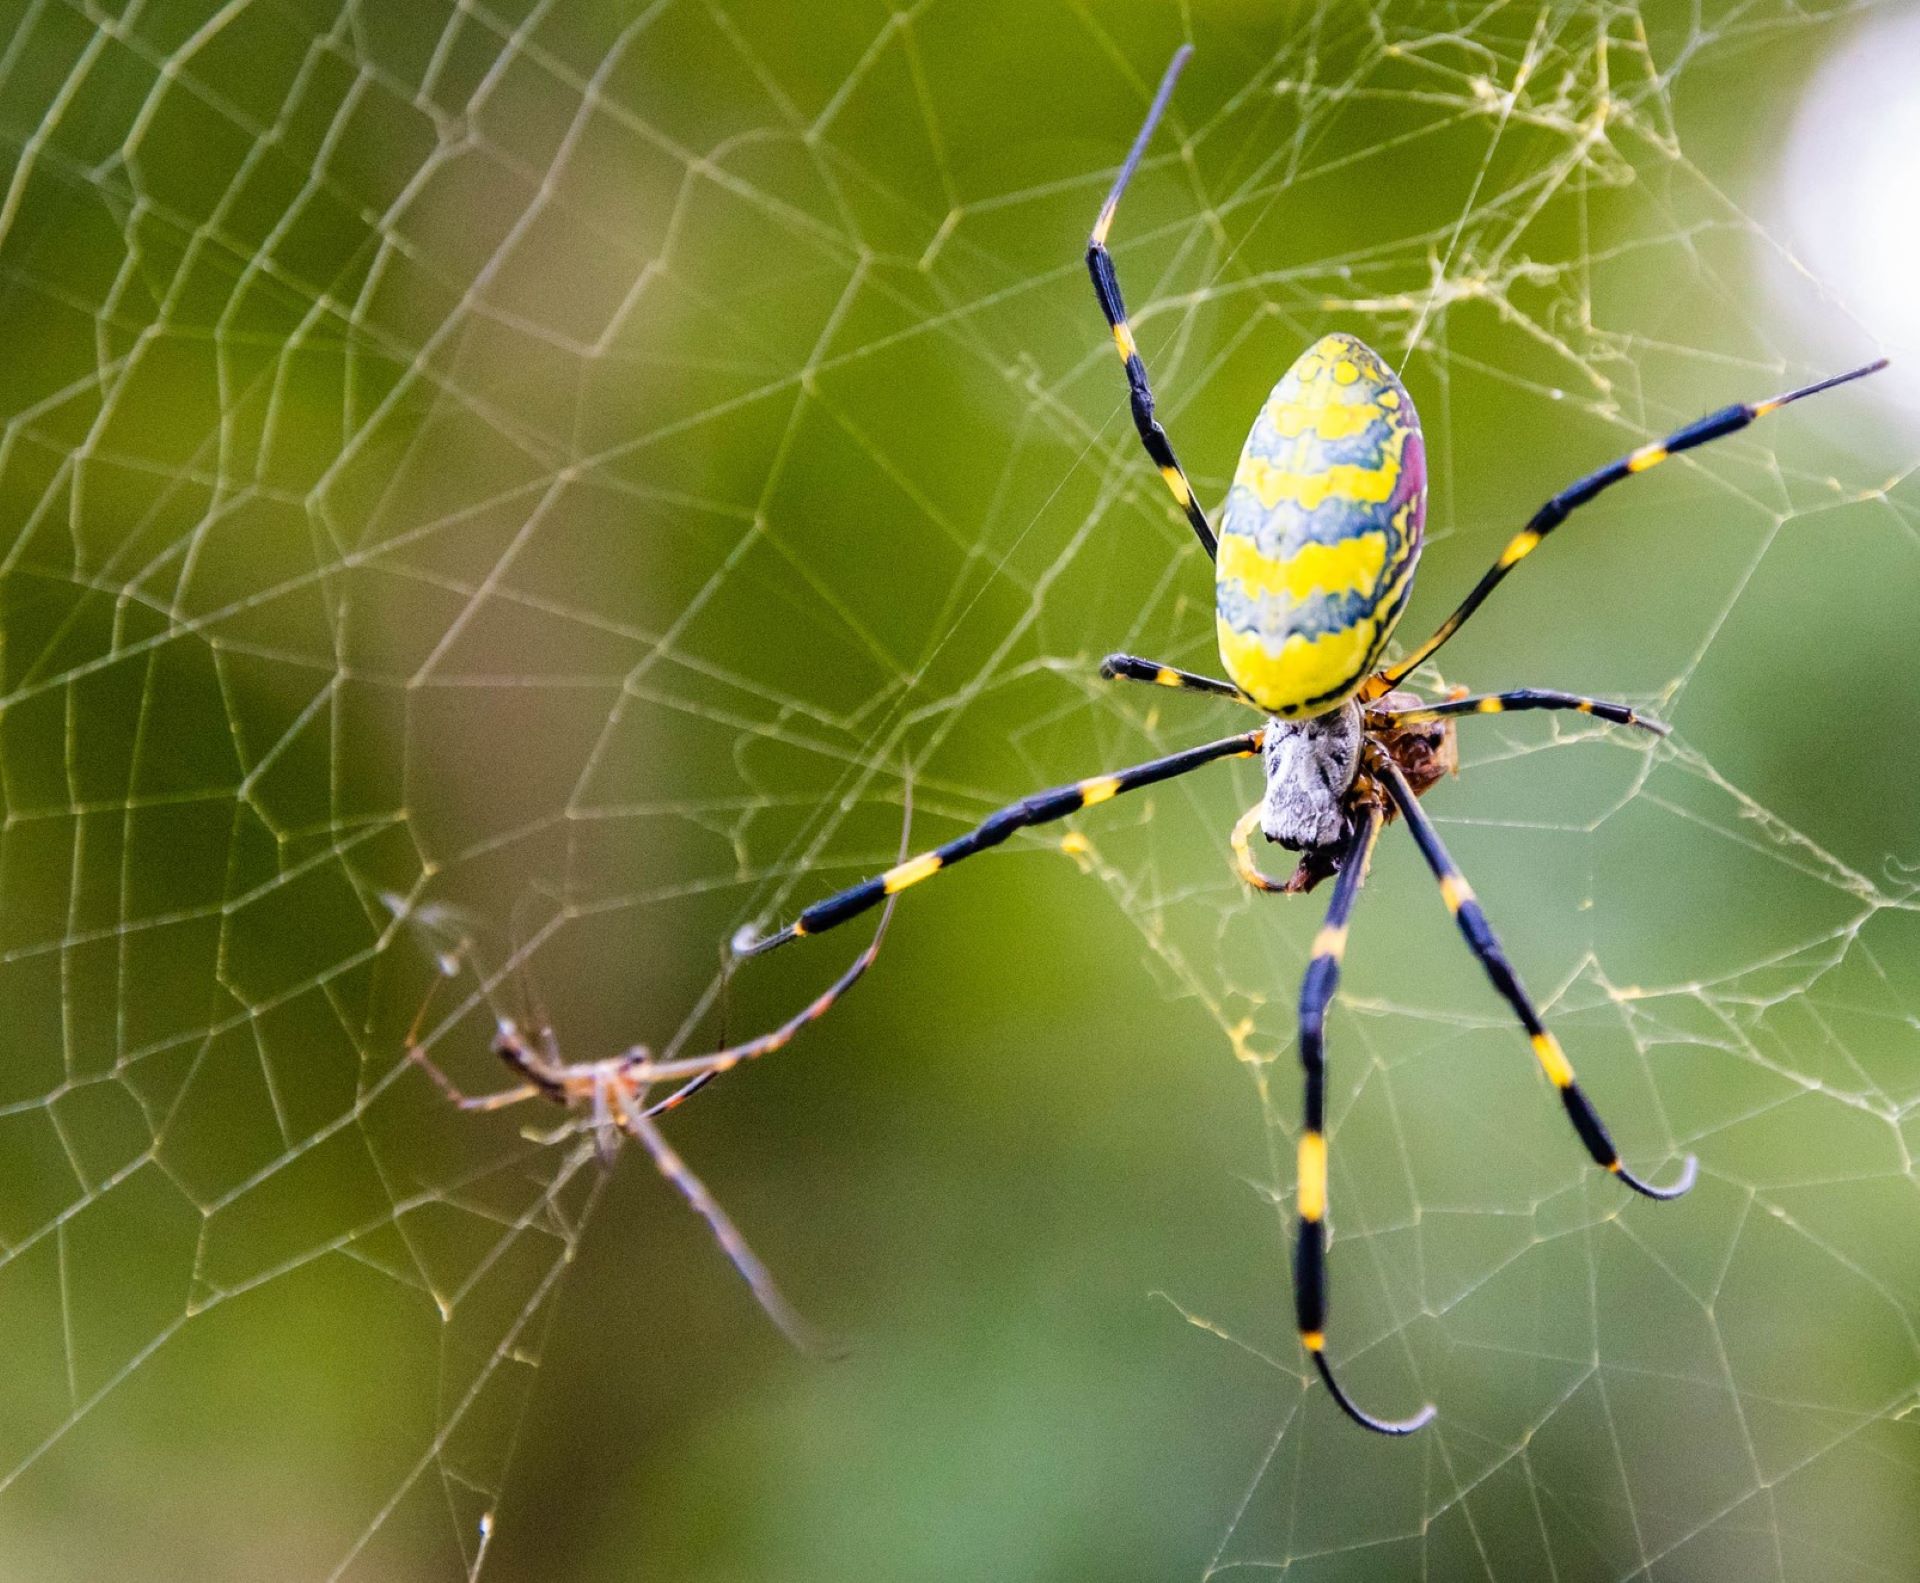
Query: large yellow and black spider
[{"x": 1319, "y": 539}]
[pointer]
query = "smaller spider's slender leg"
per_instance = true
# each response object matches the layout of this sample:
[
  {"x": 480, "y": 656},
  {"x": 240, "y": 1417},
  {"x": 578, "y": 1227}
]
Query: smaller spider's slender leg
[
  {"x": 1480, "y": 939},
  {"x": 1728, "y": 420},
  {"x": 1310, "y": 1245},
  {"x": 698, "y": 1070},
  {"x": 1520, "y": 699},
  {"x": 498, "y": 1101},
  {"x": 606, "y": 1130},
  {"x": 676, "y": 1170},
  {"x": 1131, "y": 668},
  {"x": 686, "y": 1091},
  {"x": 1243, "y": 863},
  {"x": 1041, "y": 808},
  {"x": 1106, "y": 286},
  {"x": 681, "y": 1095},
  {"x": 480, "y": 1102}
]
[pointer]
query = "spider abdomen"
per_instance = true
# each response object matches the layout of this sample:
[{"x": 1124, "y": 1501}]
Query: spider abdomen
[{"x": 1321, "y": 531}]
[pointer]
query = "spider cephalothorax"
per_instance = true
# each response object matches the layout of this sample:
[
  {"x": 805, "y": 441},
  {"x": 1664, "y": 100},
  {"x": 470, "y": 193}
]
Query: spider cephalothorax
[
  {"x": 1317, "y": 781},
  {"x": 1310, "y": 766}
]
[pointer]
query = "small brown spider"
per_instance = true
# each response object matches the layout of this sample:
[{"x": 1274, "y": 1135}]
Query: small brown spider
[{"x": 615, "y": 1094}]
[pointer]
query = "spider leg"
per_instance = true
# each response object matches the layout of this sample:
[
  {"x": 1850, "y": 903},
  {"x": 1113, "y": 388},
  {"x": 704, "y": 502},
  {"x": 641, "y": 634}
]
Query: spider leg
[
  {"x": 696, "y": 1071},
  {"x": 1131, "y": 668},
  {"x": 1481, "y": 941},
  {"x": 687, "y": 1090},
  {"x": 1106, "y": 286},
  {"x": 1041, "y": 808},
  {"x": 1517, "y": 700},
  {"x": 1728, "y": 420},
  {"x": 681, "y": 1095},
  {"x": 606, "y": 1130},
  {"x": 1242, "y": 842},
  {"x": 477, "y": 1102},
  {"x": 700, "y": 1070},
  {"x": 676, "y": 1170},
  {"x": 1310, "y": 1245},
  {"x": 499, "y": 1101}
]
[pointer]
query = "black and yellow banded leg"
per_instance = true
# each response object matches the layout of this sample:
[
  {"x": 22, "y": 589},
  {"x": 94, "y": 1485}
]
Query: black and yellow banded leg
[
  {"x": 1480, "y": 938},
  {"x": 1520, "y": 699},
  {"x": 1042, "y": 808},
  {"x": 1131, "y": 668},
  {"x": 1728, "y": 420},
  {"x": 1106, "y": 286},
  {"x": 1310, "y": 1245}
]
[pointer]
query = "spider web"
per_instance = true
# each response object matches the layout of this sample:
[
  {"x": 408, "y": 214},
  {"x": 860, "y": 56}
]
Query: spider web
[{"x": 500, "y": 497}]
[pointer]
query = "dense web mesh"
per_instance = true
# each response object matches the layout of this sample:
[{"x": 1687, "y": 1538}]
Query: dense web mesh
[{"x": 498, "y": 497}]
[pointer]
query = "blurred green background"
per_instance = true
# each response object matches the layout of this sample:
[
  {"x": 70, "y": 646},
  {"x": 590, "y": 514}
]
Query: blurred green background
[{"x": 525, "y": 485}]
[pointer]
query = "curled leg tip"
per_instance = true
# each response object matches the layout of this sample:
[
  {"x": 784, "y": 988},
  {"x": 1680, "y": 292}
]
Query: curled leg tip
[
  {"x": 1688, "y": 1172},
  {"x": 1380, "y": 1426},
  {"x": 749, "y": 941},
  {"x": 802, "y": 1336},
  {"x": 824, "y": 1348}
]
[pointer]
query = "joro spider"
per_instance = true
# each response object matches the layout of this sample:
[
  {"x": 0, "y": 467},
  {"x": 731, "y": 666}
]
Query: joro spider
[{"x": 1314, "y": 562}]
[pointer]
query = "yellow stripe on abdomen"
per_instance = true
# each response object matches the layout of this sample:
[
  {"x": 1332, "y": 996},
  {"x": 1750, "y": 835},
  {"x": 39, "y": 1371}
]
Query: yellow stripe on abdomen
[
  {"x": 1302, "y": 671},
  {"x": 1348, "y": 566},
  {"x": 1310, "y": 488}
]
